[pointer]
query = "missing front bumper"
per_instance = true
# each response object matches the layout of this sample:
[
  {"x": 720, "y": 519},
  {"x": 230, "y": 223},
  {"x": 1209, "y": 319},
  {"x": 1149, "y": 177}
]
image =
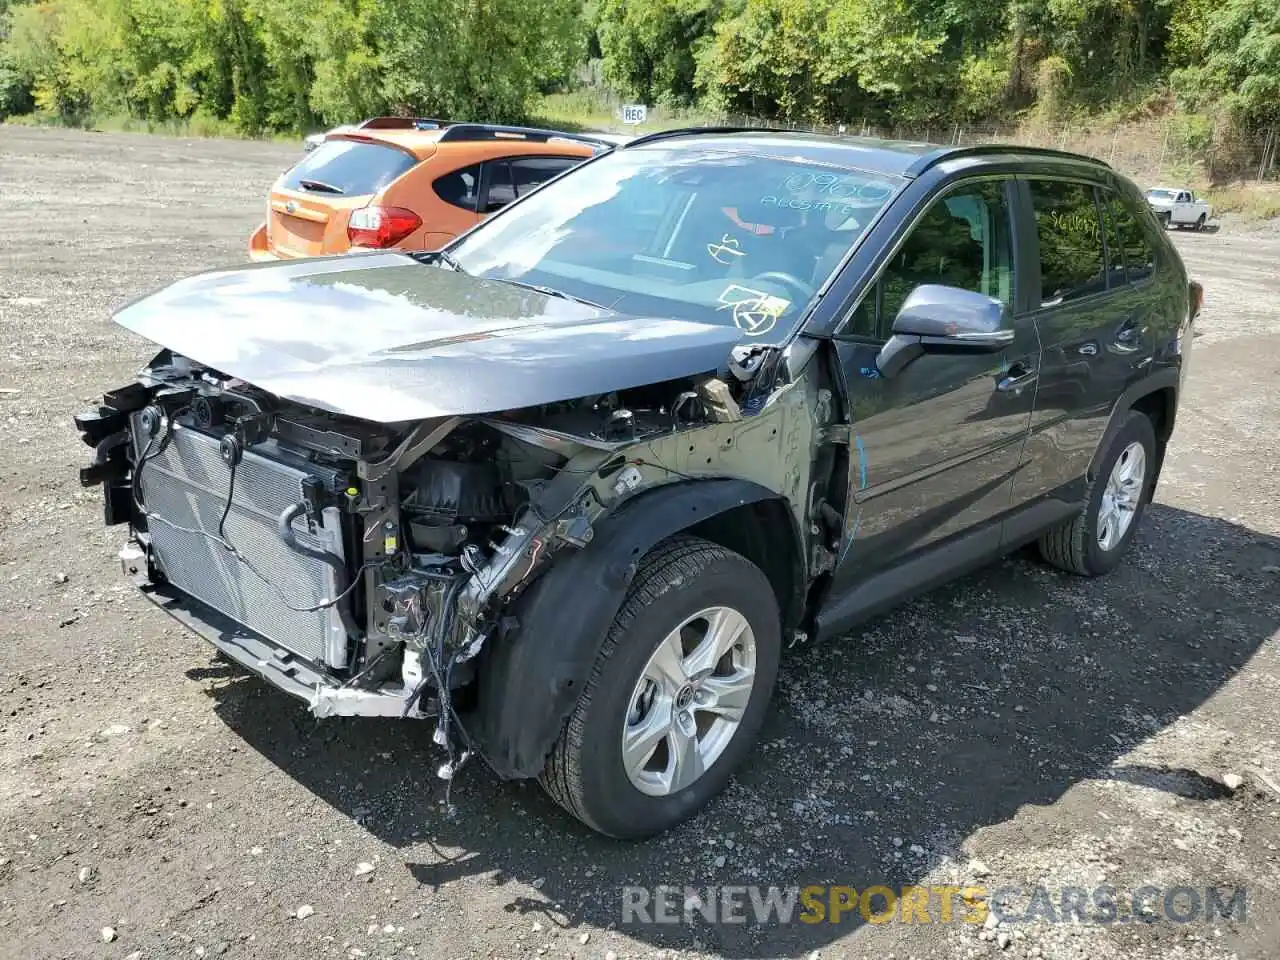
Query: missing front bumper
[{"x": 277, "y": 666}]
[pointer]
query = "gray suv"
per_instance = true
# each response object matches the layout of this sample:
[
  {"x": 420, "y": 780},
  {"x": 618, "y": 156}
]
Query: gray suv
[{"x": 571, "y": 484}]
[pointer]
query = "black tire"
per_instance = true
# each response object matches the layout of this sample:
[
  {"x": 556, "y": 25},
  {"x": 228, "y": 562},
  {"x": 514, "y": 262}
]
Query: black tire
[
  {"x": 1165, "y": 220},
  {"x": 1074, "y": 546},
  {"x": 1200, "y": 222},
  {"x": 678, "y": 578}
]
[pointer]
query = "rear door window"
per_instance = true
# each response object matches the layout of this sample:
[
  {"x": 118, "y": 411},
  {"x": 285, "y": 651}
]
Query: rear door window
[
  {"x": 1072, "y": 263},
  {"x": 499, "y": 188},
  {"x": 460, "y": 188},
  {"x": 531, "y": 172},
  {"x": 348, "y": 168}
]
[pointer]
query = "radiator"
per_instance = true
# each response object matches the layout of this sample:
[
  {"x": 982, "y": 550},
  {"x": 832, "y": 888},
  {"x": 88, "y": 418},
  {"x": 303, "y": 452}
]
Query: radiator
[{"x": 184, "y": 489}]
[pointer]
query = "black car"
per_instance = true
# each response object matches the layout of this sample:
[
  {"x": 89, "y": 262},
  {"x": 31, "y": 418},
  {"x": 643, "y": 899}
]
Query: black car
[{"x": 571, "y": 484}]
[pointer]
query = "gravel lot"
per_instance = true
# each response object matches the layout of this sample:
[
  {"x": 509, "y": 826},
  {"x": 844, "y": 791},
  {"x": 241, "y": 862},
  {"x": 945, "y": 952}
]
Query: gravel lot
[{"x": 1057, "y": 730}]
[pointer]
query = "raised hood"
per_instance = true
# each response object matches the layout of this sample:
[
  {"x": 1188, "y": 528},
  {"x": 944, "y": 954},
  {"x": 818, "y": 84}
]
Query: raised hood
[{"x": 385, "y": 338}]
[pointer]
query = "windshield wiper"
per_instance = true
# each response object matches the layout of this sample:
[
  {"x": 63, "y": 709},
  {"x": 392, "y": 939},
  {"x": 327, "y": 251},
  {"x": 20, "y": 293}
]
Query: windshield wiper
[
  {"x": 448, "y": 260},
  {"x": 549, "y": 292},
  {"x": 319, "y": 186}
]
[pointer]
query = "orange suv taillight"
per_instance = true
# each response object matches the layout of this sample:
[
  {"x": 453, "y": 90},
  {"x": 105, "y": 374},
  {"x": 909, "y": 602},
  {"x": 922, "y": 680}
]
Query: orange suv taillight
[{"x": 381, "y": 227}]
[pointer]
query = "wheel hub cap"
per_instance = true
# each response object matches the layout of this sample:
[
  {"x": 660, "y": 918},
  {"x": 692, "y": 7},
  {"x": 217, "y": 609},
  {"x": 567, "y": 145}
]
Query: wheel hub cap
[
  {"x": 689, "y": 701},
  {"x": 1122, "y": 496}
]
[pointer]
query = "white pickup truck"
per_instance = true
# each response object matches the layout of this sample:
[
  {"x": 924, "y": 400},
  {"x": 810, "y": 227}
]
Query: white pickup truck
[{"x": 1179, "y": 207}]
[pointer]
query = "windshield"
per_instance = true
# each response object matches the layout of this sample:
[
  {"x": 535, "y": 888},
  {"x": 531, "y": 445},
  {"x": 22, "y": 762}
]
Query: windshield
[
  {"x": 1160, "y": 194},
  {"x": 690, "y": 234}
]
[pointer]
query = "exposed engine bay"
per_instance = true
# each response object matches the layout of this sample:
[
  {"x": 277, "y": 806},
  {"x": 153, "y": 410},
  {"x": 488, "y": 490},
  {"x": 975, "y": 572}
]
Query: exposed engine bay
[{"x": 363, "y": 566}]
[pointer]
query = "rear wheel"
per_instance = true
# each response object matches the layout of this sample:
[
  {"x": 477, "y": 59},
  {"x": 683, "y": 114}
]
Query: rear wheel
[
  {"x": 677, "y": 694},
  {"x": 1200, "y": 221},
  {"x": 1095, "y": 540},
  {"x": 1165, "y": 219}
]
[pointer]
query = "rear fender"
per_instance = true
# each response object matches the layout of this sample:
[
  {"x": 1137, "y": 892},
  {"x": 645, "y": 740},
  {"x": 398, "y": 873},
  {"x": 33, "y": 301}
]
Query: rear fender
[
  {"x": 531, "y": 675},
  {"x": 1164, "y": 381}
]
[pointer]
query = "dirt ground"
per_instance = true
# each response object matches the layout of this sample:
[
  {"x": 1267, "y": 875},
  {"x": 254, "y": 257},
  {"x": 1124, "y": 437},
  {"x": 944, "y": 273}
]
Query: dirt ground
[{"x": 1020, "y": 727}]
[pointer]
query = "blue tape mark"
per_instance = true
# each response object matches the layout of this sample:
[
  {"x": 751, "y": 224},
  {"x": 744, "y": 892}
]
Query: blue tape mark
[{"x": 862, "y": 485}]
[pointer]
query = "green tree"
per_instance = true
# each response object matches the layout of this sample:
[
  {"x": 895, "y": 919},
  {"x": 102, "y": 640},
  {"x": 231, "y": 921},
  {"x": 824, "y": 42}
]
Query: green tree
[
  {"x": 881, "y": 52},
  {"x": 1241, "y": 63},
  {"x": 765, "y": 60},
  {"x": 651, "y": 48}
]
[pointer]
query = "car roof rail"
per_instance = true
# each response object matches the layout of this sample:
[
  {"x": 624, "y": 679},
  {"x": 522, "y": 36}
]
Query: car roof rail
[
  {"x": 496, "y": 131},
  {"x": 690, "y": 131},
  {"x": 934, "y": 157},
  {"x": 402, "y": 123}
]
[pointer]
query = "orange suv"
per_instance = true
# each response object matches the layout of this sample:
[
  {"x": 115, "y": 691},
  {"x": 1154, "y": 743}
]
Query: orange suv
[{"x": 408, "y": 183}]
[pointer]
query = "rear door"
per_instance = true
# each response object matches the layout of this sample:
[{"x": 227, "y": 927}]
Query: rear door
[
  {"x": 1092, "y": 324},
  {"x": 310, "y": 205},
  {"x": 508, "y": 178}
]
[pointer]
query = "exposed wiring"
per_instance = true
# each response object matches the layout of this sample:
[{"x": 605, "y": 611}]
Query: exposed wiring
[{"x": 226, "y": 508}]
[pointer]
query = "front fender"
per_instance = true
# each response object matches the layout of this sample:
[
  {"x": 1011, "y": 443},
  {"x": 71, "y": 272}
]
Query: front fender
[{"x": 530, "y": 677}]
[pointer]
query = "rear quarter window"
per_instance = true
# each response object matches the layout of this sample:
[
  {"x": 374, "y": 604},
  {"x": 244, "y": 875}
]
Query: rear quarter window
[
  {"x": 461, "y": 188},
  {"x": 1135, "y": 249},
  {"x": 349, "y": 168}
]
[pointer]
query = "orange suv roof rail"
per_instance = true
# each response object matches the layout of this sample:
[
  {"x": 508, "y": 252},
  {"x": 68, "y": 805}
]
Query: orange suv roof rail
[
  {"x": 493, "y": 131},
  {"x": 402, "y": 123},
  {"x": 457, "y": 131}
]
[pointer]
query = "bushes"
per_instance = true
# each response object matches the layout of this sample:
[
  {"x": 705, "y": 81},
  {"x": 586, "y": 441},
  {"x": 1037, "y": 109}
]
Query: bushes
[
  {"x": 283, "y": 65},
  {"x": 288, "y": 65}
]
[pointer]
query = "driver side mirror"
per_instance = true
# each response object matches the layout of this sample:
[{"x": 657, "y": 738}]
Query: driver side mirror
[{"x": 940, "y": 319}]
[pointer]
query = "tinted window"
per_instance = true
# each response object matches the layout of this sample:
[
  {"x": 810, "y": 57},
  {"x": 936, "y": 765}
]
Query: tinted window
[
  {"x": 534, "y": 171},
  {"x": 1134, "y": 249},
  {"x": 501, "y": 189},
  {"x": 1071, "y": 260},
  {"x": 460, "y": 188},
  {"x": 348, "y": 168},
  {"x": 686, "y": 232},
  {"x": 963, "y": 240}
]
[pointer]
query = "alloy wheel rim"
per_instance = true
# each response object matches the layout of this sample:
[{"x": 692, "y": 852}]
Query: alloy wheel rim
[
  {"x": 1121, "y": 496},
  {"x": 689, "y": 701}
]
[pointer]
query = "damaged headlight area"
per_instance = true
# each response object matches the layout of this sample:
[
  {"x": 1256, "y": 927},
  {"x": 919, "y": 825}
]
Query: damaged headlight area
[{"x": 363, "y": 566}]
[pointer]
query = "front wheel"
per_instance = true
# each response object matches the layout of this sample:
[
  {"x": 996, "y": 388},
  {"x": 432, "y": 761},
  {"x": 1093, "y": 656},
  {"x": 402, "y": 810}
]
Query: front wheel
[{"x": 677, "y": 694}]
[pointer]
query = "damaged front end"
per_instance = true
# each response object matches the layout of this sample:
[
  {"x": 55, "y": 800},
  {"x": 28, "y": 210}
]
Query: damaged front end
[{"x": 364, "y": 566}]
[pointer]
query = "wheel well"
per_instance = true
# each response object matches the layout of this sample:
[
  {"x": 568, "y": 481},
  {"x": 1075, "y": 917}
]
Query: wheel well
[
  {"x": 1159, "y": 407},
  {"x": 765, "y": 533}
]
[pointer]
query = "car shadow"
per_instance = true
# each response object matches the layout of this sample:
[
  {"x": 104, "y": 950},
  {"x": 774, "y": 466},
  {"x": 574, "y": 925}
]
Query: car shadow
[
  {"x": 1208, "y": 228},
  {"x": 882, "y": 754}
]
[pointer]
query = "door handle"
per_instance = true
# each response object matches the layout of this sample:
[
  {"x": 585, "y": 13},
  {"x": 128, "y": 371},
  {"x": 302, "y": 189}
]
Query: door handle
[
  {"x": 1016, "y": 378},
  {"x": 1128, "y": 335}
]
